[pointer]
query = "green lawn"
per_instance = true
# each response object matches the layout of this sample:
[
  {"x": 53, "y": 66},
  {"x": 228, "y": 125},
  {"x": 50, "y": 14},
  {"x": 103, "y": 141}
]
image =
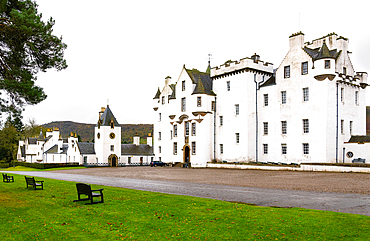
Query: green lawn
[{"x": 50, "y": 214}]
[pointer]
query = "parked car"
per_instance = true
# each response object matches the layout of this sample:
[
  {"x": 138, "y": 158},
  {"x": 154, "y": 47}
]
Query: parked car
[{"x": 158, "y": 163}]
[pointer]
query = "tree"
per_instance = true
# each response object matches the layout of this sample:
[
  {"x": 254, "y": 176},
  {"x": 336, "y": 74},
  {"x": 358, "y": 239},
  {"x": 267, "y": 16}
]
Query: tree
[
  {"x": 27, "y": 46},
  {"x": 8, "y": 142}
]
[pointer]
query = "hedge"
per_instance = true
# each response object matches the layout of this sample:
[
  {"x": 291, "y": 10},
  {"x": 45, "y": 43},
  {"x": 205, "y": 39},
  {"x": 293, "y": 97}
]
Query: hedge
[{"x": 45, "y": 165}]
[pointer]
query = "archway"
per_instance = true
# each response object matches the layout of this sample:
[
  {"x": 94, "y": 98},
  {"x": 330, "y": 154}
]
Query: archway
[
  {"x": 113, "y": 160},
  {"x": 186, "y": 156}
]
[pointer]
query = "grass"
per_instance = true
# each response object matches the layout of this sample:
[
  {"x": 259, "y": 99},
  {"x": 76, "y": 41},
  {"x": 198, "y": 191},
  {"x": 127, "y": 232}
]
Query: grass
[{"x": 50, "y": 214}]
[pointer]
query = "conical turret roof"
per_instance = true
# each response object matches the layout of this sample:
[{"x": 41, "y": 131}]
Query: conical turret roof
[{"x": 107, "y": 118}]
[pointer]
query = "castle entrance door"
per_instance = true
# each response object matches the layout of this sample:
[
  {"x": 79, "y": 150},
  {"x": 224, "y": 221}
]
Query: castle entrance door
[
  {"x": 186, "y": 156},
  {"x": 113, "y": 160}
]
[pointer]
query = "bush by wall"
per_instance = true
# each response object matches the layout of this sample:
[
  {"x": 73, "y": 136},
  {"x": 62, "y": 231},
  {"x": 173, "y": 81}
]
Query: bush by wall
[
  {"x": 44, "y": 165},
  {"x": 4, "y": 164}
]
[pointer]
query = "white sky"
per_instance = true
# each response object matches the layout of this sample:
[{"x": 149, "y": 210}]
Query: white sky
[{"x": 122, "y": 50}]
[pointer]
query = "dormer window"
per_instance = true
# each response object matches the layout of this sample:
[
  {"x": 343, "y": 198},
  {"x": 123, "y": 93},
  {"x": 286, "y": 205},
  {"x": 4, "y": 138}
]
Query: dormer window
[
  {"x": 344, "y": 70},
  {"x": 112, "y": 124},
  {"x": 327, "y": 64}
]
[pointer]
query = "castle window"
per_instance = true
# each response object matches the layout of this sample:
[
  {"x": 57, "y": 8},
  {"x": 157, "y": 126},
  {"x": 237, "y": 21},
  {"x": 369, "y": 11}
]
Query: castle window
[
  {"x": 356, "y": 97},
  {"x": 183, "y": 104},
  {"x": 350, "y": 127},
  {"x": 304, "y": 68},
  {"x": 344, "y": 70},
  {"x": 284, "y": 149},
  {"x": 159, "y": 149},
  {"x": 306, "y": 148},
  {"x": 342, "y": 127},
  {"x": 265, "y": 148},
  {"x": 183, "y": 85},
  {"x": 228, "y": 85},
  {"x": 327, "y": 64},
  {"x": 221, "y": 148},
  {"x": 199, "y": 101},
  {"x": 283, "y": 127},
  {"x": 341, "y": 94},
  {"x": 160, "y": 116},
  {"x": 306, "y": 126},
  {"x": 186, "y": 128},
  {"x": 237, "y": 109},
  {"x": 221, "y": 120},
  {"x": 193, "y": 148},
  {"x": 213, "y": 106},
  {"x": 193, "y": 131},
  {"x": 283, "y": 97},
  {"x": 163, "y": 100},
  {"x": 287, "y": 71},
  {"x": 159, "y": 136},
  {"x": 237, "y": 138},
  {"x": 175, "y": 148},
  {"x": 175, "y": 130},
  {"x": 266, "y": 99},
  {"x": 305, "y": 94},
  {"x": 112, "y": 147},
  {"x": 265, "y": 128},
  {"x": 111, "y": 124}
]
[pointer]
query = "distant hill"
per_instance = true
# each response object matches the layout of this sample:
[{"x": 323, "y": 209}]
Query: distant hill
[{"x": 86, "y": 131}]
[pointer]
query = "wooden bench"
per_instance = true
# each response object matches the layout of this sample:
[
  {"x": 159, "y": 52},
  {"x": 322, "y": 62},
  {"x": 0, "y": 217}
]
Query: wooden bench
[
  {"x": 85, "y": 189},
  {"x": 30, "y": 181},
  {"x": 7, "y": 178}
]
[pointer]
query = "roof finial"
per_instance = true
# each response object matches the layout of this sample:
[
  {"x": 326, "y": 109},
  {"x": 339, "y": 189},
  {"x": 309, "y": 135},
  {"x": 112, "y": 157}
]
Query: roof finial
[{"x": 208, "y": 71}]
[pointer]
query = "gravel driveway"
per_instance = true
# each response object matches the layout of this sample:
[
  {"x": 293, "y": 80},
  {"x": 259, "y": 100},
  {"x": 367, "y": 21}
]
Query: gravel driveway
[{"x": 291, "y": 180}]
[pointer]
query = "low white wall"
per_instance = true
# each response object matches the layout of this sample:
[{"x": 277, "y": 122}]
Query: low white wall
[{"x": 314, "y": 168}]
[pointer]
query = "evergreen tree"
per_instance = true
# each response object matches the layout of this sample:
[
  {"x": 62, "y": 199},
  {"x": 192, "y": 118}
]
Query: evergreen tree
[
  {"x": 27, "y": 46},
  {"x": 8, "y": 142}
]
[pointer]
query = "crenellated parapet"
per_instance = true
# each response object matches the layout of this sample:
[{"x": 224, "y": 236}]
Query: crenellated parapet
[{"x": 252, "y": 64}]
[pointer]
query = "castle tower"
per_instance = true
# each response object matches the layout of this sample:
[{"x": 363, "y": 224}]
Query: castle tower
[{"x": 107, "y": 138}]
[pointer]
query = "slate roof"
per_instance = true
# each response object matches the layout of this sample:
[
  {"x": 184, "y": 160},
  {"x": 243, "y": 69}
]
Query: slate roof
[
  {"x": 32, "y": 141},
  {"x": 206, "y": 80},
  {"x": 270, "y": 81},
  {"x": 86, "y": 148},
  {"x": 64, "y": 149},
  {"x": 41, "y": 137},
  {"x": 106, "y": 118},
  {"x": 359, "y": 139},
  {"x": 173, "y": 95},
  {"x": 131, "y": 149},
  {"x": 322, "y": 53},
  {"x": 53, "y": 149},
  {"x": 157, "y": 94}
]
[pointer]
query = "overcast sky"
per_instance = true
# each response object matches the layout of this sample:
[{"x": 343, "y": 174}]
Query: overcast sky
[{"x": 122, "y": 50}]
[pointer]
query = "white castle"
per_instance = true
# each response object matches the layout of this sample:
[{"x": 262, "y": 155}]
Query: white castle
[
  {"x": 106, "y": 150},
  {"x": 311, "y": 109}
]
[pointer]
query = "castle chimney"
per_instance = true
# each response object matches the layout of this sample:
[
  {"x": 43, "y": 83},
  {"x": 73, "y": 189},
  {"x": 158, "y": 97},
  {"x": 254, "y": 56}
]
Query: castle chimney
[
  {"x": 255, "y": 58},
  {"x": 149, "y": 139},
  {"x": 101, "y": 112},
  {"x": 136, "y": 139}
]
